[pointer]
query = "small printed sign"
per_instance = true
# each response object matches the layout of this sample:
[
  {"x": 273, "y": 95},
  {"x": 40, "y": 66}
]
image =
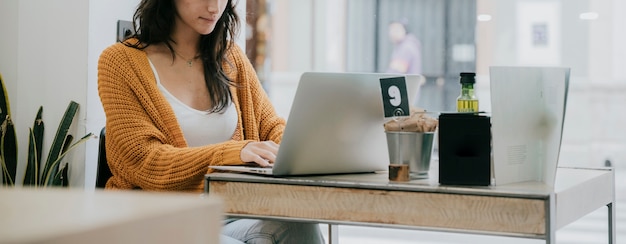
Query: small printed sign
[{"x": 395, "y": 99}]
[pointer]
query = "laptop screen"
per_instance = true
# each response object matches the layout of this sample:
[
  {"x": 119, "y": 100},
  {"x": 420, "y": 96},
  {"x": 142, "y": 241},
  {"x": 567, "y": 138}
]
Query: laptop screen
[{"x": 336, "y": 125}]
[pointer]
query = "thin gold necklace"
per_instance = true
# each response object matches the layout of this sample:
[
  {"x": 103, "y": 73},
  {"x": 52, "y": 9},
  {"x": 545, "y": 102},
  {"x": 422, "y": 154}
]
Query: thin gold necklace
[{"x": 189, "y": 61}]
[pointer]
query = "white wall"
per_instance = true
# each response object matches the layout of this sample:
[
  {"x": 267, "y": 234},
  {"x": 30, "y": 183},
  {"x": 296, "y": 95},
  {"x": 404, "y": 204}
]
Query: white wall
[
  {"x": 45, "y": 65},
  {"x": 8, "y": 45},
  {"x": 51, "y": 60}
]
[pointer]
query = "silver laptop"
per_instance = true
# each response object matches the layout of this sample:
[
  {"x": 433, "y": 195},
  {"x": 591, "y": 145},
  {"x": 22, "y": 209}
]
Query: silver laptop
[{"x": 335, "y": 126}]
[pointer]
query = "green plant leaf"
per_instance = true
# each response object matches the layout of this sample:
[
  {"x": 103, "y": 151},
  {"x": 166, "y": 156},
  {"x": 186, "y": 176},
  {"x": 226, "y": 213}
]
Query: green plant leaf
[
  {"x": 8, "y": 151},
  {"x": 5, "y": 175},
  {"x": 35, "y": 142},
  {"x": 66, "y": 144},
  {"x": 5, "y": 114},
  {"x": 57, "y": 144},
  {"x": 47, "y": 180},
  {"x": 60, "y": 177},
  {"x": 32, "y": 166},
  {"x": 38, "y": 130},
  {"x": 6, "y": 180},
  {"x": 5, "y": 108},
  {"x": 64, "y": 176}
]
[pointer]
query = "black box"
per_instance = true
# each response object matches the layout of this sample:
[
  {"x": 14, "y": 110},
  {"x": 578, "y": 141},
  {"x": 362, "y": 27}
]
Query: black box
[{"x": 464, "y": 149}]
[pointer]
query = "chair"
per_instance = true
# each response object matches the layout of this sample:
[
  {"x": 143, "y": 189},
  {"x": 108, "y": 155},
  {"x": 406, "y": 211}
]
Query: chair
[{"x": 104, "y": 173}]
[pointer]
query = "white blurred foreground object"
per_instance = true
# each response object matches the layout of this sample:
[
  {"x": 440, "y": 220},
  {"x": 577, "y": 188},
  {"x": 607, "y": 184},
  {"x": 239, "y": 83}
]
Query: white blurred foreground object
[{"x": 76, "y": 216}]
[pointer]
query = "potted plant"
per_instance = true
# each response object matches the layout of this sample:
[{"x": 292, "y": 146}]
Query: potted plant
[{"x": 38, "y": 173}]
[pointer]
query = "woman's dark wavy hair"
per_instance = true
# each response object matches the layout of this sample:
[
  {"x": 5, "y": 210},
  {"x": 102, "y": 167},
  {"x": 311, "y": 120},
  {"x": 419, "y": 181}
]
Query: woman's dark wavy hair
[{"x": 153, "y": 22}]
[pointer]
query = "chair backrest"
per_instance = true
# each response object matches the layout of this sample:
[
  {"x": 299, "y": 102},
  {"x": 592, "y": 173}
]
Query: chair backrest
[{"x": 104, "y": 173}]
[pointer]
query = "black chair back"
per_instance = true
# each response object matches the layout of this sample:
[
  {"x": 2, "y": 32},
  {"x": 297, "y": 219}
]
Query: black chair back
[{"x": 104, "y": 173}]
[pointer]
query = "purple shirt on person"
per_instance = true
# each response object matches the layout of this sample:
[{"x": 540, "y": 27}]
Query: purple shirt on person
[{"x": 408, "y": 52}]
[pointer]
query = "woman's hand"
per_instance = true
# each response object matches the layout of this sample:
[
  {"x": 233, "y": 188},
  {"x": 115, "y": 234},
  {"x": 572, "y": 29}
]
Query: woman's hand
[{"x": 262, "y": 153}]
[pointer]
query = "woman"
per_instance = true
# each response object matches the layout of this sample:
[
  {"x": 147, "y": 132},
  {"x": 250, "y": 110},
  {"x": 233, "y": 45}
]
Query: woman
[{"x": 178, "y": 97}]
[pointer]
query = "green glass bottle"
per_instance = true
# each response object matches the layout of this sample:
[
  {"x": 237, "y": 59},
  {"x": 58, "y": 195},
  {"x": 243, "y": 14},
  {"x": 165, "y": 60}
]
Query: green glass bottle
[{"x": 467, "y": 101}]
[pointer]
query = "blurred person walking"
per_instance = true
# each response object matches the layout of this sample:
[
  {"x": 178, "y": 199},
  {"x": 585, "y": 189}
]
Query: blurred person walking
[{"x": 406, "y": 57}]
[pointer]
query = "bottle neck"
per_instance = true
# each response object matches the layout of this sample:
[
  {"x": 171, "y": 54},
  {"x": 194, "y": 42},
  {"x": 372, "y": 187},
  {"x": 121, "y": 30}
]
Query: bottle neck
[{"x": 467, "y": 89}]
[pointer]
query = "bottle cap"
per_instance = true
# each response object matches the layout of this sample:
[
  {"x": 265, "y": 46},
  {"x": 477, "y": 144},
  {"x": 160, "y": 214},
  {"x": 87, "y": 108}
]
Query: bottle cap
[{"x": 468, "y": 78}]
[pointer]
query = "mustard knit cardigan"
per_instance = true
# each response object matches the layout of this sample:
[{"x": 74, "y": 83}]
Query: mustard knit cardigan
[{"x": 145, "y": 144}]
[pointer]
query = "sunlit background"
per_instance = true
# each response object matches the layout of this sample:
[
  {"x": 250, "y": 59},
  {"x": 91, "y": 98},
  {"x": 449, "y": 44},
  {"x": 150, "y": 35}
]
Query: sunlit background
[
  {"x": 286, "y": 38},
  {"x": 289, "y": 38}
]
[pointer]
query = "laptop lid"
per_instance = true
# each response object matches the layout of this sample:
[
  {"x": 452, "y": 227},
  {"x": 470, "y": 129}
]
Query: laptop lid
[{"x": 336, "y": 125}]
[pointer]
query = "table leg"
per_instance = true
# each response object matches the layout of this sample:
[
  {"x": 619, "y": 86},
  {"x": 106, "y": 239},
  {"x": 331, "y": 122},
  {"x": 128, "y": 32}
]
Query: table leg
[
  {"x": 333, "y": 234},
  {"x": 551, "y": 219},
  {"x": 612, "y": 229}
]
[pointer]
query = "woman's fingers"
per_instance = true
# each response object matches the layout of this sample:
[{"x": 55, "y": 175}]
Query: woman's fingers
[{"x": 262, "y": 153}]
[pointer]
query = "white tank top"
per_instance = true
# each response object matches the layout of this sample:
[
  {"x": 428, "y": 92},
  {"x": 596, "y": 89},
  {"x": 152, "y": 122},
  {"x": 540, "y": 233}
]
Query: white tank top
[{"x": 200, "y": 127}]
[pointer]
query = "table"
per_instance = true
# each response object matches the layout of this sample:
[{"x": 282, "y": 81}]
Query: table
[
  {"x": 526, "y": 209},
  {"x": 61, "y": 215}
]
